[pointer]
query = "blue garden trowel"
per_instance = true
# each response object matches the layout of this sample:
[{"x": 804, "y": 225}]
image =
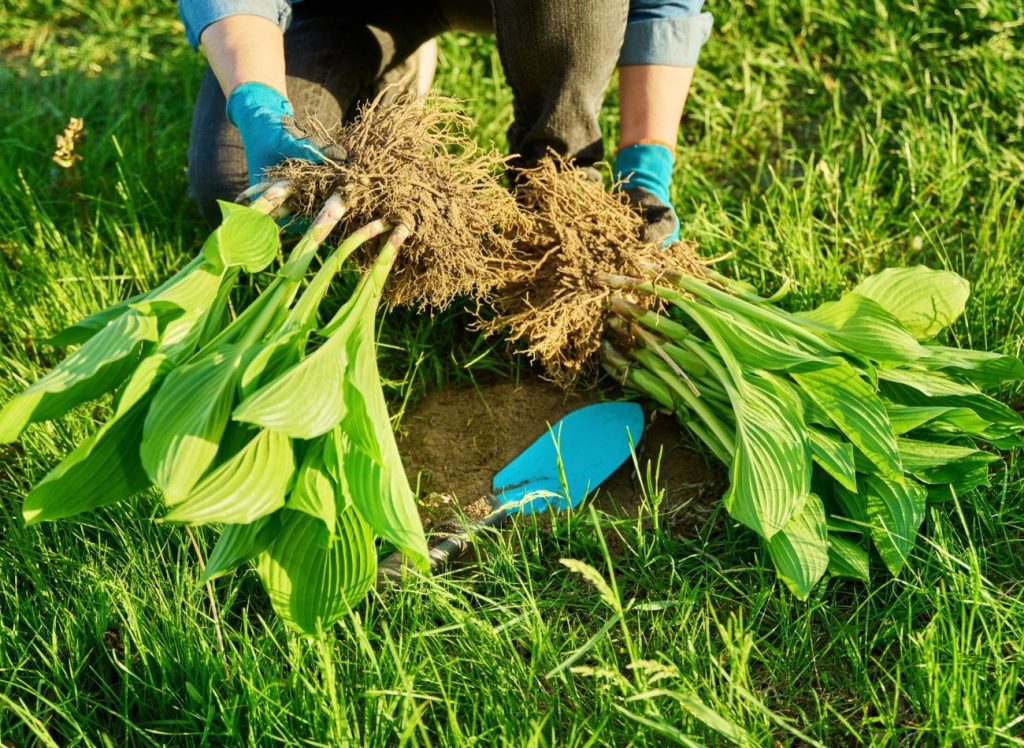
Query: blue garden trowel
[{"x": 557, "y": 471}]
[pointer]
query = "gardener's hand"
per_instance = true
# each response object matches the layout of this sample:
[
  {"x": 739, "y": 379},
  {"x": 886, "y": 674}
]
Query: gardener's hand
[
  {"x": 645, "y": 172},
  {"x": 270, "y": 134}
]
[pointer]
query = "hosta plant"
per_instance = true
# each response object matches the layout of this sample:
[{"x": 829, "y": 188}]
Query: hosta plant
[
  {"x": 838, "y": 424},
  {"x": 272, "y": 424}
]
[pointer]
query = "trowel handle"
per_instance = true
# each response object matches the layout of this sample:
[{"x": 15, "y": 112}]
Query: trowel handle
[{"x": 450, "y": 547}]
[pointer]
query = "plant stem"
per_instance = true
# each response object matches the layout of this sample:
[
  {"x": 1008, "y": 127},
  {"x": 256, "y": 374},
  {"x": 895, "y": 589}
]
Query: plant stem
[
  {"x": 253, "y": 323},
  {"x": 302, "y": 254},
  {"x": 305, "y": 308},
  {"x": 717, "y": 448},
  {"x": 273, "y": 198},
  {"x": 656, "y": 366},
  {"x": 372, "y": 282},
  {"x": 651, "y": 320}
]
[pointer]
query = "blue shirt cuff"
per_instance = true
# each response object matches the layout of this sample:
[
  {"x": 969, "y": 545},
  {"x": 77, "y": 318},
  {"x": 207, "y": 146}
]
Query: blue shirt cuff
[
  {"x": 666, "y": 41},
  {"x": 198, "y": 14}
]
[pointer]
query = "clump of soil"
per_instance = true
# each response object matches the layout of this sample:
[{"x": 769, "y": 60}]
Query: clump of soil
[
  {"x": 454, "y": 441},
  {"x": 554, "y": 300},
  {"x": 414, "y": 161}
]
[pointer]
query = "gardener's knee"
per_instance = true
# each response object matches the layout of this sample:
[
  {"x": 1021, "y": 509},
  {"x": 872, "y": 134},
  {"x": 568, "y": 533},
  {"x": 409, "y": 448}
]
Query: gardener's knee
[{"x": 216, "y": 157}]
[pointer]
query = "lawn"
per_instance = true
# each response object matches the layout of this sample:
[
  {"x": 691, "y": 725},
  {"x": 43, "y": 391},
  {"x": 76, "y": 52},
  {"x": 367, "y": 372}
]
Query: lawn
[{"x": 822, "y": 142}]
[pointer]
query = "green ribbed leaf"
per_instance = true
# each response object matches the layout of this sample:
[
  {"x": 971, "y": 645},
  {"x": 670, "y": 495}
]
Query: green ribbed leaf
[
  {"x": 384, "y": 499},
  {"x": 249, "y": 485},
  {"x": 99, "y": 366},
  {"x": 906, "y": 418},
  {"x": 85, "y": 328},
  {"x": 855, "y": 409},
  {"x": 306, "y": 401},
  {"x": 800, "y": 549},
  {"x": 847, "y": 558},
  {"x": 266, "y": 362},
  {"x": 185, "y": 424},
  {"x": 752, "y": 346},
  {"x": 981, "y": 368},
  {"x": 246, "y": 238},
  {"x": 313, "y": 580},
  {"x": 239, "y": 543},
  {"x": 937, "y": 463},
  {"x": 102, "y": 470},
  {"x": 835, "y": 457},
  {"x": 861, "y": 327},
  {"x": 853, "y": 505},
  {"x": 896, "y": 511},
  {"x": 924, "y": 300},
  {"x": 144, "y": 380},
  {"x": 933, "y": 389},
  {"x": 771, "y": 470},
  {"x": 314, "y": 491}
]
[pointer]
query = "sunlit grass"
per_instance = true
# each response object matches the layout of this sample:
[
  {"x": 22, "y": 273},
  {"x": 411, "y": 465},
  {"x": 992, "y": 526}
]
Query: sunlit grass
[{"x": 823, "y": 141}]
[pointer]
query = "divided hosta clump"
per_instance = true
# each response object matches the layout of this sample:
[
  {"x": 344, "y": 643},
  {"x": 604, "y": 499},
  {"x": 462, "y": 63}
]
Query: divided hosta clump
[
  {"x": 272, "y": 424},
  {"x": 839, "y": 425}
]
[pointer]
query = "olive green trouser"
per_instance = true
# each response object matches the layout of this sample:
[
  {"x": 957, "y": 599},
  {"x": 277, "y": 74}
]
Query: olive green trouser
[{"x": 557, "y": 56}]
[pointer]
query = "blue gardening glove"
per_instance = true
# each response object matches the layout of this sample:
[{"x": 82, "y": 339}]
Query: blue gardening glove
[
  {"x": 645, "y": 170},
  {"x": 269, "y": 133}
]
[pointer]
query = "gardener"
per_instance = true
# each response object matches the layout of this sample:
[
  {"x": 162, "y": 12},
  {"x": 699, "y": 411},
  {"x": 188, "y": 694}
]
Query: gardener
[{"x": 557, "y": 56}]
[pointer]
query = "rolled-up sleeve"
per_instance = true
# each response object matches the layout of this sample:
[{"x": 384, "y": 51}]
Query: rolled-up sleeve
[
  {"x": 665, "y": 32},
  {"x": 198, "y": 14}
]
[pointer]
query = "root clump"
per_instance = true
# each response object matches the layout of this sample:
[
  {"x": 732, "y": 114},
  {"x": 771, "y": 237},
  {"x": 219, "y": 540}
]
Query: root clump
[
  {"x": 414, "y": 161},
  {"x": 553, "y": 299}
]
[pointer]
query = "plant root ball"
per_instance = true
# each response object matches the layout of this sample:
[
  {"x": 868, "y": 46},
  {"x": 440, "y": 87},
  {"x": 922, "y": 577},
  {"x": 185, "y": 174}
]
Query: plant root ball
[
  {"x": 552, "y": 300},
  {"x": 414, "y": 161}
]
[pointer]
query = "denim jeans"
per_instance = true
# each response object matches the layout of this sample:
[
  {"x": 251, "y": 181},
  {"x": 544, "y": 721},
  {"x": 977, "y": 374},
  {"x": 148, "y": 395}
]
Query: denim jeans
[{"x": 558, "y": 58}]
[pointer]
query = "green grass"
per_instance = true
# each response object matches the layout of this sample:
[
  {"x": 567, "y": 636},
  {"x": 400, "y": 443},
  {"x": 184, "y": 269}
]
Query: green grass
[{"x": 823, "y": 141}]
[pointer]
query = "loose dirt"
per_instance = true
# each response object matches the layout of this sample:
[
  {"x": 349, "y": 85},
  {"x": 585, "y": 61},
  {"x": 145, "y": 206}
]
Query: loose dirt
[{"x": 454, "y": 441}]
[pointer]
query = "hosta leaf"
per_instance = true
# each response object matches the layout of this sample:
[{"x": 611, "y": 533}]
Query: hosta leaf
[
  {"x": 752, "y": 346},
  {"x": 190, "y": 301},
  {"x": 239, "y": 543},
  {"x": 306, "y": 401},
  {"x": 99, "y": 366},
  {"x": 185, "y": 423},
  {"x": 847, "y": 558},
  {"x": 855, "y": 409},
  {"x": 245, "y": 238},
  {"x": 800, "y": 549},
  {"x": 771, "y": 470},
  {"x": 931, "y": 383},
  {"x": 924, "y": 300},
  {"x": 313, "y": 492},
  {"x": 860, "y": 327},
  {"x": 384, "y": 499},
  {"x": 145, "y": 379},
  {"x": 835, "y": 457},
  {"x": 919, "y": 388},
  {"x": 982, "y": 368},
  {"x": 84, "y": 329},
  {"x": 367, "y": 415},
  {"x": 102, "y": 470},
  {"x": 896, "y": 511},
  {"x": 853, "y": 505},
  {"x": 250, "y": 485},
  {"x": 313, "y": 581},
  {"x": 936, "y": 463},
  {"x": 268, "y": 361},
  {"x": 907, "y": 418}
]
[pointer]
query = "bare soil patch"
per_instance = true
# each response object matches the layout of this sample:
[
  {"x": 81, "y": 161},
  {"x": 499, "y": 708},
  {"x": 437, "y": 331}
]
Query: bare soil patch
[{"x": 454, "y": 441}]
